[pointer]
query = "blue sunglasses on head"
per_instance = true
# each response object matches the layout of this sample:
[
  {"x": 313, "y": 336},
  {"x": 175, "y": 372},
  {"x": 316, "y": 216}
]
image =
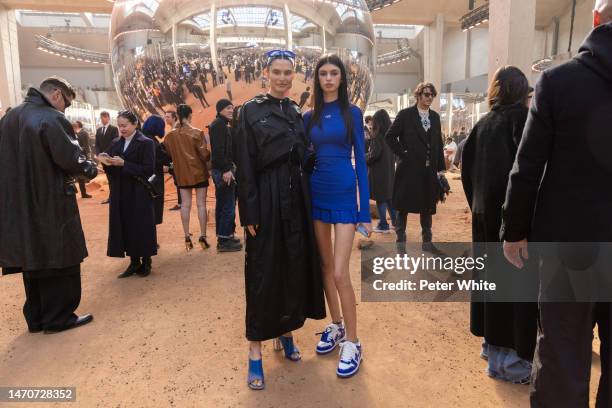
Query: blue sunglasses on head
[{"x": 280, "y": 54}]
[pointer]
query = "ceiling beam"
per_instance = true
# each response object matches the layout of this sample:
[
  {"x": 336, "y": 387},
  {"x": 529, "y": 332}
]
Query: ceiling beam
[{"x": 90, "y": 6}]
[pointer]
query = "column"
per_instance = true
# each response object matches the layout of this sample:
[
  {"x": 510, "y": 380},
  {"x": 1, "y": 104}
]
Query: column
[
  {"x": 323, "y": 40},
  {"x": 511, "y": 34},
  {"x": 108, "y": 77},
  {"x": 213, "y": 35},
  {"x": 10, "y": 73},
  {"x": 433, "y": 60},
  {"x": 288, "y": 28}
]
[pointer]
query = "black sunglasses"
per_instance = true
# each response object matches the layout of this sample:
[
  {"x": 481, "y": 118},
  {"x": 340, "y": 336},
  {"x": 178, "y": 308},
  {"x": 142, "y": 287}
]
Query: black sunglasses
[
  {"x": 428, "y": 95},
  {"x": 67, "y": 103}
]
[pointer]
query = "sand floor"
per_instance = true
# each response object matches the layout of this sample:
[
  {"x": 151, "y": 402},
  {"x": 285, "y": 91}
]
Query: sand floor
[{"x": 176, "y": 338}]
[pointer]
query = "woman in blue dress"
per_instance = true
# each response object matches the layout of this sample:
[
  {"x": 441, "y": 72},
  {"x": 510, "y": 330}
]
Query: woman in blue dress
[{"x": 340, "y": 199}]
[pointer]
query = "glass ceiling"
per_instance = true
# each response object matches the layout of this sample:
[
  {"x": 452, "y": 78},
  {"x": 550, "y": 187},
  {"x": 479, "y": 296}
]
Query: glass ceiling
[
  {"x": 202, "y": 20},
  {"x": 148, "y": 7},
  {"x": 299, "y": 23},
  {"x": 251, "y": 17}
]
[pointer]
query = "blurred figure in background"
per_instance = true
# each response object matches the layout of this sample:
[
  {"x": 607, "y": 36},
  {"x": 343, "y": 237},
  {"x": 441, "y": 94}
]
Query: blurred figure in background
[
  {"x": 155, "y": 128},
  {"x": 171, "y": 119},
  {"x": 381, "y": 169},
  {"x": 83, "y": 138},
  {"x": 104, "y": 137}
]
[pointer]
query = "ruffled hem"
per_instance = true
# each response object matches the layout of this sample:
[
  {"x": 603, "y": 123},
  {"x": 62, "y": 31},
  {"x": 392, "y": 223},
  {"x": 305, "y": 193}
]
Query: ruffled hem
[{"x": 335, "y": 216}]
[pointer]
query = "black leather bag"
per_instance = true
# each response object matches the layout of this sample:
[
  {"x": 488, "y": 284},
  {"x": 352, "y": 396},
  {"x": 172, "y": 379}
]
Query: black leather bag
[
  {"x": 443, "y": 188},
  {"x": 149, "y": 185}
]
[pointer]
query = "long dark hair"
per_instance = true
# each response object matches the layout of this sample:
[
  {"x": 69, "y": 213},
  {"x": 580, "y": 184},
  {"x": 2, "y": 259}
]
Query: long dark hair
[
  {"x": 509, "y": 86},
  {"x": 343, "y": 96},
  {"x": 381, "y": 122}
]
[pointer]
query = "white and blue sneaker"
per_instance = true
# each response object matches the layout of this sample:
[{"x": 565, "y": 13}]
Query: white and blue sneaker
[
  {"x": 333, "y": 335},
  {"x": 350, "y": 359}
]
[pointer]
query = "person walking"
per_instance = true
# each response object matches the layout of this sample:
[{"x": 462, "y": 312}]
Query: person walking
[
  {"x": 41, "y": 235},
  {"x": 171, "y": 119},
  {"x": 416, "y": 138},
  {"x": 129, "y": 163},
  {"x": 223, "y": 175},
  {"x": 83, "y": 139},
  {"x": 381, "y": 165},
  {"x": 190, "y": 155},
  {"x": 555, "y": 196}
]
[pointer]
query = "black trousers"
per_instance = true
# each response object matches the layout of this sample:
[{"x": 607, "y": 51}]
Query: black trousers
[
  {"x": 52, "y": 296},
  {"x": 400, "y": 226}
]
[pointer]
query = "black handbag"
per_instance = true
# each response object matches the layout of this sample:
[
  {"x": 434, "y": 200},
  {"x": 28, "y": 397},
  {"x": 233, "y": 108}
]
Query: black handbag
[
  {"x": 443, "y": 188},
  {"x": 149, "y": 185}
]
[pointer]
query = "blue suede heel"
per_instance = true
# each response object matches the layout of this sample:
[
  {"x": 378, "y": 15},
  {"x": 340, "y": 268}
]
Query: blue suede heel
[
  {"x": 286, "y": 344},
  {"x": 256, "y": 373}
]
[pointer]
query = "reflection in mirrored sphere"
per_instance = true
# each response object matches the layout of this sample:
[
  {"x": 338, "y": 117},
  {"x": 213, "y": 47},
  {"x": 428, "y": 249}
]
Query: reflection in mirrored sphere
[{"x": 167, "y": 52}]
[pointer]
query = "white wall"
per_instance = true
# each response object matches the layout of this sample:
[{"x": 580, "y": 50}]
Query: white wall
[
  {"x": 479, "y": 55},
  {"x": 78, "y": 77},
  {"x": 395, "y": 83},
  {"x": 583, "y": 23},
  {"x": 453, "y": 65}
]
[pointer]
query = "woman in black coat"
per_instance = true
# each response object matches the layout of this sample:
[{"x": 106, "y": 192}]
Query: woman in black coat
[
  {"x": 129, "y": 163},
  {"x": 381, "y": 169},
  {"x": 155, "y": 127},
  {"x": 509, "y": 328}
]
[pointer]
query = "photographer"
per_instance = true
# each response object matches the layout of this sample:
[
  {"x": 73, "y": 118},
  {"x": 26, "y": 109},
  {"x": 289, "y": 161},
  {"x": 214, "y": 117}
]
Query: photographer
[{"x": 40, "y": 227}]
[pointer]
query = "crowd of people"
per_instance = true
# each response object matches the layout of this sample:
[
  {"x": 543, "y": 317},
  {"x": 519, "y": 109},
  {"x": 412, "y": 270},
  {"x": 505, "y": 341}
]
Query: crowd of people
[{"x": 300, "y": 178}]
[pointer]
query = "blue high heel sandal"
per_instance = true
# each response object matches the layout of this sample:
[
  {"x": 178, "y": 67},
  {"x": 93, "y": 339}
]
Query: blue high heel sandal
[
  {"x": 286, "y": 344},
  {"x": 256, "y": 373}
]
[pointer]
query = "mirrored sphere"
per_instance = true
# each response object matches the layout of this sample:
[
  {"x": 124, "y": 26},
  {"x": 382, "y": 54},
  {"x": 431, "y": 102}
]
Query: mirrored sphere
[{"x": 167, "y": 52}]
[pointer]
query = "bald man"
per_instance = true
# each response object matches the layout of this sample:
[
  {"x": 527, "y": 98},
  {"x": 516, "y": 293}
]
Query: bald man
[{"x": 556, "y": 195}]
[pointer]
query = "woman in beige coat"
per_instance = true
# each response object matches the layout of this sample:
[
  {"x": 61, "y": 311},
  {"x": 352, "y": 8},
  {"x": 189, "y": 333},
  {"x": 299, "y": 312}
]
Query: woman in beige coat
[{"x": 190, "y": 154}]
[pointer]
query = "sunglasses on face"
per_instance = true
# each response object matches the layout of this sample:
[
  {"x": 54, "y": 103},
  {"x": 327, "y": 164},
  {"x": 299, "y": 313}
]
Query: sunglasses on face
[
  {"x": 67, "y": 101},
  {"x": 427, "y": 95}
]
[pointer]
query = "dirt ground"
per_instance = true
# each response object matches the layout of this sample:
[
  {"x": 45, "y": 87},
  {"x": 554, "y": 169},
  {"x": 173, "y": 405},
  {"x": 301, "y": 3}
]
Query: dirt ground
[{"x": 176, "y": 338}]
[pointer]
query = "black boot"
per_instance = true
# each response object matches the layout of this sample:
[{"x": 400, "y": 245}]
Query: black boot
[
  {"x": 134, "y": 267},
  {"x": 146, "y": 267}
]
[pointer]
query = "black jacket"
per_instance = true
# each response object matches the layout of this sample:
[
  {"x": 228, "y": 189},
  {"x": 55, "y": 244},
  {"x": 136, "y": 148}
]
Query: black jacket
[
  {"x": 558, "y": 189},
  {"x": 221, "y": 144},
  {"x": 381, "y": 168},
  {"x": 415, "y": 188},
  {"x": 103, "y": 141},
  {"x": 488, "y": 156},
  {"x": 83, "y": 139},
  {"x": 40, "y": 226}
]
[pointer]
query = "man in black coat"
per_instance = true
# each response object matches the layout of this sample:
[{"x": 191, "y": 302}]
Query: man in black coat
[
  {"x": 223, "y": 174},
  {"x": 104, "y": 136},
  {"x": 416, "y": 139},
  {"x": 557, "y": 193},
  {"x": 40, "y": 228}
]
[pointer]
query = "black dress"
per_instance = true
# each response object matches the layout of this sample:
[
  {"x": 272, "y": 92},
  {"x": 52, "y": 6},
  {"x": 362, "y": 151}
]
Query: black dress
[
  {"x": 131, "y": 216},
  {"x": 283, "y": 278},
  {"x": 488, "y": 155}
]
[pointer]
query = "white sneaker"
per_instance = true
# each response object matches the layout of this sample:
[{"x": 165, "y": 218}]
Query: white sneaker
[
  {"x": 382, "y": 231},
  {"x": 350, "y": 359},
  {"x": 330, "y": 338}
]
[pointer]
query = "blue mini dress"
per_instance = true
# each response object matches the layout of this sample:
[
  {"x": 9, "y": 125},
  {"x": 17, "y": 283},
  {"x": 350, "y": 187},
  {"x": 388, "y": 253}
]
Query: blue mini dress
[{"x": 340, "y": 192}]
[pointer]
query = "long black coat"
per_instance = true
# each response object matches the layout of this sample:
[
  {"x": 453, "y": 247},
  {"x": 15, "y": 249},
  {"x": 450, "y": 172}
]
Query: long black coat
[
  {"x": 415, "y": 188},
  {"x": 381, "y": 169},
  {"x": 488, "y": 155},
  {"x": 162, "y": 158},
  {"x": 283, "y": 277},
  {"x": 132, "y": 216},
  {"x": 558, "y": 189},
  {"x": 40, "y": 226}
]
